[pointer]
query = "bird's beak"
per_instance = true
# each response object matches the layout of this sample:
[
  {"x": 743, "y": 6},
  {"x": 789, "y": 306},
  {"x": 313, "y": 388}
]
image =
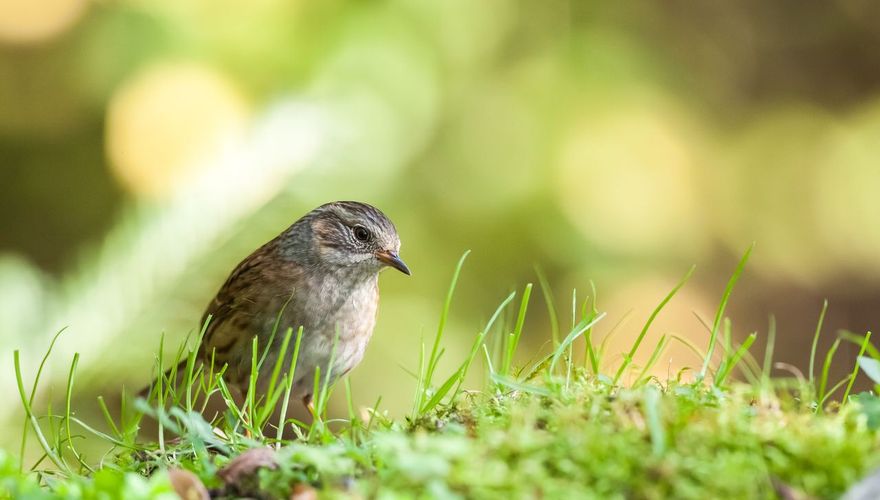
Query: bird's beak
[{"x": 390, "y": 258}]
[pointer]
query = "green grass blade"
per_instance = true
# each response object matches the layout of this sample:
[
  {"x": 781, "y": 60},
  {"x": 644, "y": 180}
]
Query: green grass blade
[
  {"x": 373, "y": 411},
  {"x": 591, "y": 356},
  {"x": 433, "y": 358},
  {"x": 191, "y": 362},
  {"x": 274, "y": 392},
  {"x": 441, "y": 392},
  {"x": 629, "y": 356},
  {"x": 68, "y": 397},
  {"x": 488, "y": 361},
  {"x": 29, "y": 415},
  {"x": 816, "y": 339},
  {"x": 857, "y": 340},
  {"x": 250, "y": 403},
  {"x": 420, "y": 380},
  {"x": 34, "y": 391},
  {"x": 275, "y": 326},
  {"x": 855, "y": 371},
  {"x": 520, "y": 386},
  {"x": 733, "y": 360},
  {"x": 826, "y": 368},
  {"x": 457, "y": 378},
  {"x": 353, "y": 421},
  {"x": 107, "y": 418},
  {"x": 517, "y": 330},
  {"x": 465, "y": 367},
  {"x": 655, "y": 421},
  {"x": 831, "y": 391},
  {"x": 749, "y": 368},
  {"x": 719, "y": 314},
  {"x": 580, "y": 328},
  {"x": 104, "y": 436},
  {"x": 551, "y": 306},
  {"x": 768, "y": 352},
  {"x": 655, "y": 355},
  {"x": 282, "y": 418},
  {"x": 603, "y": 346}
]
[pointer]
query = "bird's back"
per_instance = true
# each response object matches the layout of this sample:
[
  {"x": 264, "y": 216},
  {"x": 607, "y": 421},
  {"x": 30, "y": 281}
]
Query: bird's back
[{"x": 246, "y": 306}]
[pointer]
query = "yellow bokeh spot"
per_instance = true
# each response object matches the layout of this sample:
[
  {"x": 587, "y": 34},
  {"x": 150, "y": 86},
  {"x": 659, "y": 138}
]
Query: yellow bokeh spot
[
  {"x": 761, "y": 190},
  {"x": 162, "y": 125},
  {"x": 845, "y": 188},
  {"x": 32, "y": 21},
  {"x": 626, "y": 181}
]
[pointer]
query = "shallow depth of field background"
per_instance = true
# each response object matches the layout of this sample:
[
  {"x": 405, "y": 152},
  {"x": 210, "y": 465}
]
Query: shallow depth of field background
[{"x": 148, "y": 146}]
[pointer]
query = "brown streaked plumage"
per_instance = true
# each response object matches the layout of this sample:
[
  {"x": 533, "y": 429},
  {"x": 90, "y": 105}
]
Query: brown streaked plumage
[{"x": 322, "y": 274}]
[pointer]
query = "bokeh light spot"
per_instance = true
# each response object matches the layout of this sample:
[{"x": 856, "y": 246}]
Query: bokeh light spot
[
  {"x": 846, "y": 190},
  {"x": 165, "y": 120},
  {"x": 761, "y": 191},
  {"x": 626, "y": 181},
  {"x": 33, "y": 21}
]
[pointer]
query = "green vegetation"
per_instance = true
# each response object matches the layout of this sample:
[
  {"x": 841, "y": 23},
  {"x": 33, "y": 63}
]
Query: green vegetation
[{"x": 562, "y": 426}]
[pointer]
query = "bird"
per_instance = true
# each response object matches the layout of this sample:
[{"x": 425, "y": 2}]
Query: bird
[{"x": 320, "y": 274}]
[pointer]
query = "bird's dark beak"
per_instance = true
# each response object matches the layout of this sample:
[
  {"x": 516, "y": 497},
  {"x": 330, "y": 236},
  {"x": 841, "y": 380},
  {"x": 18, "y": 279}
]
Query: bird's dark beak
[{"x": 391, "y": 259}]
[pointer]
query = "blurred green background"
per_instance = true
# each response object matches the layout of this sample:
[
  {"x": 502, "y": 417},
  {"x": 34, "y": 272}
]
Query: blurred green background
[{"x": 148, "y": 146}]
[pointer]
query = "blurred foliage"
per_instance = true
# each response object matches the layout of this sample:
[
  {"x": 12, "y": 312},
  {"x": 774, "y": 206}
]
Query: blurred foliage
[
  {"x": 146, "y": 147},
  {"x": 106, "y": 483}
]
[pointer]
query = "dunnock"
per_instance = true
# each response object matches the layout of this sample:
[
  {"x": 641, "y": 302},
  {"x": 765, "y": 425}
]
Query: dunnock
[{"x": 320, "y": 274}]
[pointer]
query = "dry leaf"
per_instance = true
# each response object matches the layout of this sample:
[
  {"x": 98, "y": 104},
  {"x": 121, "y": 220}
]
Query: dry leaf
[
  {"x": 303, "y": 492},
  {"x": 187, "y": 485}
]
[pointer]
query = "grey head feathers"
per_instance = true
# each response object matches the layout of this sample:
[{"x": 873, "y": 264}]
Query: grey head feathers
[{"x": 341, "y": 235}]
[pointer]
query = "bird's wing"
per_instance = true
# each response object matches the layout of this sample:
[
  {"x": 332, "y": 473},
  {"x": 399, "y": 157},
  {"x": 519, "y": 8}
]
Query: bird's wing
[{"x": 250, "y": 298}]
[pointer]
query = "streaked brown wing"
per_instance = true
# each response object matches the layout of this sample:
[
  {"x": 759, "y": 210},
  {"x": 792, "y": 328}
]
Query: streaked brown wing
[{"x": 247, "y": 301}]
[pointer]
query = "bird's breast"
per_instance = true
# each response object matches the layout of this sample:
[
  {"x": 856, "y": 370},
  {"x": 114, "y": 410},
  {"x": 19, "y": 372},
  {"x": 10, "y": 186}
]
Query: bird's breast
[
  {"x": 347, "y": 308},
  {"x": 337, "y": 322}
]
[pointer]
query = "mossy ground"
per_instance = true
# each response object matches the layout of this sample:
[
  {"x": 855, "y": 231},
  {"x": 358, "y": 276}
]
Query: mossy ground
[
  {"x": 586, "y": 441},
  {"x": 583, "y": 440},
  {"x": 559, "y": 428}
]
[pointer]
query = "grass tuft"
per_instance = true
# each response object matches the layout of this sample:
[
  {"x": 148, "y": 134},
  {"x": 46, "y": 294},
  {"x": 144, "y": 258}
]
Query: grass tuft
[
  {"x": 553, "y": 428},
  {"x": 719, "y": 314}
]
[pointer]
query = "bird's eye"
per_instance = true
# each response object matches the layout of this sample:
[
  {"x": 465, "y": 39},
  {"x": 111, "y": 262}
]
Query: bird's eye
[{"x": 361, "y": 233}]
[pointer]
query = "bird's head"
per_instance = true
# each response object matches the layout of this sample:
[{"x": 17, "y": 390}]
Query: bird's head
[{"x": 350, "y": 233}]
